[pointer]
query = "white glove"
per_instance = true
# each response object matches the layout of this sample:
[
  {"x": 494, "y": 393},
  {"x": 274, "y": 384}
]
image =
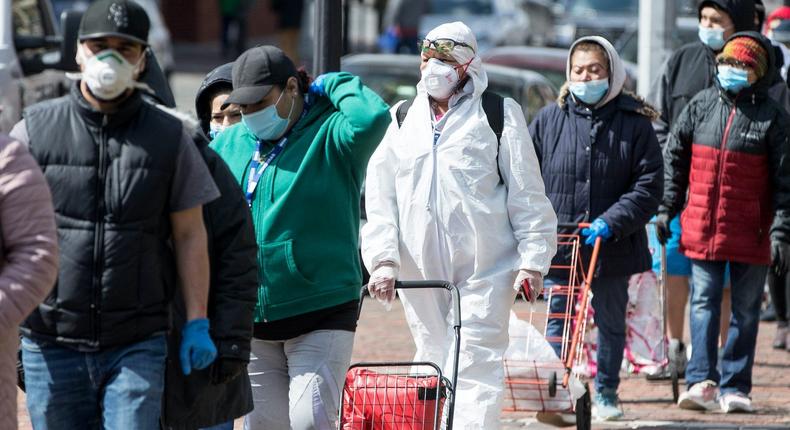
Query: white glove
[
  {"x": 382, "y": 283},
  {"x": 535, "y": 280}
]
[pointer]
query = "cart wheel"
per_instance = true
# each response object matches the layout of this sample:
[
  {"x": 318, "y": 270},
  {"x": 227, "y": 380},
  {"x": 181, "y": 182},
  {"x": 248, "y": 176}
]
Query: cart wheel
[
  {"x": 553, "y": 384},
  {"x": 584, "y": 411},
  {"x": 673, "y": 374}
]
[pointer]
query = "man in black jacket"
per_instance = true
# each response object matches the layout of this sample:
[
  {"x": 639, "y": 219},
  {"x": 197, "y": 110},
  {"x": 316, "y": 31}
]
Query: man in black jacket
[
  {"x": 215, "y": 397},
  {"x": 128, "y": 190},
  {"x": 688, "y": 71}
]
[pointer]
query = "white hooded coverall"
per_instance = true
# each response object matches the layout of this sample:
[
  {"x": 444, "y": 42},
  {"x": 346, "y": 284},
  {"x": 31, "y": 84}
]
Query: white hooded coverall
[{"x": 441, "y": 212}]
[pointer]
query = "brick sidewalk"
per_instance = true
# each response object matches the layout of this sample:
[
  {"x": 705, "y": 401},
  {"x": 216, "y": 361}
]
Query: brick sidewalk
[{"x": 384, "y": 336}]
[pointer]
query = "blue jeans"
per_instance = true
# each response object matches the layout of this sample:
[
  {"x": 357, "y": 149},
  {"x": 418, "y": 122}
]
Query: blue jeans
[
  {"x": 610, "y": 298},
  {"x": 706, "y": 288},
  {"x": 118, "y": 388}
]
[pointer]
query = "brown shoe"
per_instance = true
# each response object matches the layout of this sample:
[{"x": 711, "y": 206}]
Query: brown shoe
[{"x": 782, "y": 335}]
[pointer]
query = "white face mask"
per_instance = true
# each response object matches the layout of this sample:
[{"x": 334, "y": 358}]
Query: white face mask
[
  {"x": 266, "y": 124},
  {"x": 440, "y": 79},
  {"x": 107, "y": 73}
]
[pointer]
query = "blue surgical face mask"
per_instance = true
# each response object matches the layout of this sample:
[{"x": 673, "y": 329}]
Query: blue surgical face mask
[
  {"x": 214, "y": 130},
  {"x": 733, "y": 79},
  {"x": 713, "y": 37},
  {"x": 590, "y": 92},
  {"x": 266, "y": 124}
]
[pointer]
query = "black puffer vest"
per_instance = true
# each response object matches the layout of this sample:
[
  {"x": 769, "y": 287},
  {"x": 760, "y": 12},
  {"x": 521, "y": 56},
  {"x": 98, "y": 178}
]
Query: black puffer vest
[{"x": 110, "y": 177}]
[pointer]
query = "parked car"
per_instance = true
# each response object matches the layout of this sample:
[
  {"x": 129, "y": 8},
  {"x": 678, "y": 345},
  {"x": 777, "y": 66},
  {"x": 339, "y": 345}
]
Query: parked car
[
  {"x": 607, "y": 18},
  {"x": 32, "y": 56},
  {"x": 685, "y": 31},
  {"x": 494, "y": 22},
  {"x": 158, "y": 36},
  {"x": 394, "y": 77},
  {"x": 550, "y": 62}
]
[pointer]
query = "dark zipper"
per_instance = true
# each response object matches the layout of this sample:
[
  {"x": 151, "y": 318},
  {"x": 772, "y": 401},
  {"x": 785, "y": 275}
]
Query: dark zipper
[
  {"x": 98, "y": 233},
  {"x": 719, "y": 168}
]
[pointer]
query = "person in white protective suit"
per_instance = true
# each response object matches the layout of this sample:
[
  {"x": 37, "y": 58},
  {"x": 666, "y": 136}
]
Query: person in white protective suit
[{"x": 446, "y": 201}]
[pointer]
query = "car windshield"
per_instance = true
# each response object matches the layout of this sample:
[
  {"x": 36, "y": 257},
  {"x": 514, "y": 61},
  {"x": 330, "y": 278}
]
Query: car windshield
[
  {"x": 461, "y": 7},
  {"x": 602, "y": 7}
]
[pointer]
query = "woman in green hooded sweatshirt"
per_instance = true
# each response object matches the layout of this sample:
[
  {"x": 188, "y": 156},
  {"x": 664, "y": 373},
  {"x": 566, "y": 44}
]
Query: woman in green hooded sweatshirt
[{"x": 300, "y": 155}]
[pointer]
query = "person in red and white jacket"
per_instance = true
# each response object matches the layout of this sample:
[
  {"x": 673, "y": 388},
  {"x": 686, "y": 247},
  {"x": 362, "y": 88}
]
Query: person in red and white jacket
[{"x": 730, "y": 150}]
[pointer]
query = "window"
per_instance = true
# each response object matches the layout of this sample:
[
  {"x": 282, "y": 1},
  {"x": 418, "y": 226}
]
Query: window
[{"x": 28, "y": 18}]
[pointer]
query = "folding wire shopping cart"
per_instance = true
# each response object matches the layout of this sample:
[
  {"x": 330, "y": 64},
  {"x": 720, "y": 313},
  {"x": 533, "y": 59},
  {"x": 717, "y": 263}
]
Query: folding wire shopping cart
[
  {"x": 663, "y": 353},
  {"x": 402, "y": 395},
  {"x": 545, "y": 384}
]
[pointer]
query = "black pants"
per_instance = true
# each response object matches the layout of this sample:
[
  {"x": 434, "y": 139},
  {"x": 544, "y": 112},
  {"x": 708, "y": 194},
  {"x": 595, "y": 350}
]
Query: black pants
[{"x": 779, "y": 286}]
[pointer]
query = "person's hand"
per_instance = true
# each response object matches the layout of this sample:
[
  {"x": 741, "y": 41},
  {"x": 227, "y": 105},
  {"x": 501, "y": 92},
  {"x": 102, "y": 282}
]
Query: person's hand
[
  {"x": 197, "y": 349},
  {"x": 534, "y": 283},
  {"x": 598, "y": 228},
  {"x": 226, "y": 369},
  {"x": 662, "y": 228},
  {"x": 316, "y": 88},
  {"x": 780, "y": 257},
  {"x": 382, "y": 283}
]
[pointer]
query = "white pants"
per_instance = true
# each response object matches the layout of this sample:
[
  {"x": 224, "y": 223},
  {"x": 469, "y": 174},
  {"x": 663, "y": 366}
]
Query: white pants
[
  {"x": 485, "y": 312},
  {"x": 296, "y": 383}
]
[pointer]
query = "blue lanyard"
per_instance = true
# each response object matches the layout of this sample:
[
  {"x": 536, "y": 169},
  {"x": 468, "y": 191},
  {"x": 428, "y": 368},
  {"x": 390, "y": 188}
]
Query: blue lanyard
[{"x": 257, "y": 167}]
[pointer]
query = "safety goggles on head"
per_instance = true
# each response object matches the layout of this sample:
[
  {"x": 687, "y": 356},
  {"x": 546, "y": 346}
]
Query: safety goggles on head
[{"x": 442, "y": 46}]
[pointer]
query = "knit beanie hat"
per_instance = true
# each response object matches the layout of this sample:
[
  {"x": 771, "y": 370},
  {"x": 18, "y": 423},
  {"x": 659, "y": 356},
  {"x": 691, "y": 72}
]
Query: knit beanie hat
[{"x": 747, "y": 51}]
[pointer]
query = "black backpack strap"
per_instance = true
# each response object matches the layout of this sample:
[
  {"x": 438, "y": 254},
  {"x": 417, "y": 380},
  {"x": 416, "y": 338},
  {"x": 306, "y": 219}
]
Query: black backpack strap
[
  {"x": 494, "y": 107},
  {"x": 402, "y": 111}
]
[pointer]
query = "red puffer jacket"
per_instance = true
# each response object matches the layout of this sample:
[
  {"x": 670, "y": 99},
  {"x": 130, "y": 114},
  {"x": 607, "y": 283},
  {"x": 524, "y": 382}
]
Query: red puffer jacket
[{"x": 733, "y": 156}]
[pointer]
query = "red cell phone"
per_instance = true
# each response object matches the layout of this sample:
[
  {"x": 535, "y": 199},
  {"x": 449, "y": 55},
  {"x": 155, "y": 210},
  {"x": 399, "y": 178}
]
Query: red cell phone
[{"x": 527, "y": 290}]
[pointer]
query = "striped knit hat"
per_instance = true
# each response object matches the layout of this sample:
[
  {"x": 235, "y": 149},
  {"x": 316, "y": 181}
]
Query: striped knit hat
[{"x": 747, "y": 51}]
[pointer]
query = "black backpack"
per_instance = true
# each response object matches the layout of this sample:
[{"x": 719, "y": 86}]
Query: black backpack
[{"x": 493, "y": 106}]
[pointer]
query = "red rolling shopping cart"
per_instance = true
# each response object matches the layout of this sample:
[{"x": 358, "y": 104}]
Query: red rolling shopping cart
[
  {"x": 551, "y": 384},
  {"x": 402, "y": 395}
]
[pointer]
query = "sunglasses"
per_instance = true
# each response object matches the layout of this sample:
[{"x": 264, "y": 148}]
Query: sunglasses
[{"x": 442, "y": 46}]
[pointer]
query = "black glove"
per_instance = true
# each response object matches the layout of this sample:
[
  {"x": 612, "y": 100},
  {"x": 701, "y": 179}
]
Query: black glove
[
  {"x": 662, "y": 228},
  {"x": 226, "y": 369},
  {"x": 780, "y": 257}
]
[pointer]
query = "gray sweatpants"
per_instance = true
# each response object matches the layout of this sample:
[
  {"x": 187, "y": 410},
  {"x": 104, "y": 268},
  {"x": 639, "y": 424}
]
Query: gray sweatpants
[{"x": 297, "y": 383}]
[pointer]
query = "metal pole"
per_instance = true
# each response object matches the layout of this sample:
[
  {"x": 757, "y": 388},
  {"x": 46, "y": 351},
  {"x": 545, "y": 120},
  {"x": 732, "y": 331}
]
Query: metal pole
[
  {"x": 655, "y": 19},
  {"x": 328, "y": 44}
]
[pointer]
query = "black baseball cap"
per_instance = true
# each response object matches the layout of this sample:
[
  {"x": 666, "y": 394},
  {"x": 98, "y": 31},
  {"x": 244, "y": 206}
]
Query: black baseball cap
[
  {"x": 115, "y": 18},
  {"x": 256, "y": 71}
]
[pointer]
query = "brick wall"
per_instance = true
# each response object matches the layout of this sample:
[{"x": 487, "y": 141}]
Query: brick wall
[{"x": 199, "y": 20}]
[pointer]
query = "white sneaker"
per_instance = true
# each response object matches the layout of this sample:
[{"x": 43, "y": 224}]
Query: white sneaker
[
  {"x": 735, "y": 402},
  {"x": 700, "y": 397}
]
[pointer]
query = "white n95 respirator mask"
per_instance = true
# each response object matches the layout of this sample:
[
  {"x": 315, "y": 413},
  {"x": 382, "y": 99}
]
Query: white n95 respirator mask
[
  {"x": 107, "y": 73},
  {"x": 440, "y": 79}
]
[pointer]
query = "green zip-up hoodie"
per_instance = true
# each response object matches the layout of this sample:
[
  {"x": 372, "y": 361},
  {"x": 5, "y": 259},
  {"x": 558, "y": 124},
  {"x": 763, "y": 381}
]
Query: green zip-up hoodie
[{"x": 306, "y": 205}]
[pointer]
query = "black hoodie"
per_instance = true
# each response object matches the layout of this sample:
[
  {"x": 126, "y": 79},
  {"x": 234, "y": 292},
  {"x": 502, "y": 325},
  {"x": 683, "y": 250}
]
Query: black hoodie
[
  {"x": 214, "y": 81},
  {"x": 692, "y": 67}
]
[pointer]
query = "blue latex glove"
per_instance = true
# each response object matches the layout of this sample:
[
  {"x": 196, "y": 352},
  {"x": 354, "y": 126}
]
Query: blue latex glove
[
  {"x": 197, "y": 349},
  {"x": 598, "y": 228},
  {"x": 316, "y": 88}
]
